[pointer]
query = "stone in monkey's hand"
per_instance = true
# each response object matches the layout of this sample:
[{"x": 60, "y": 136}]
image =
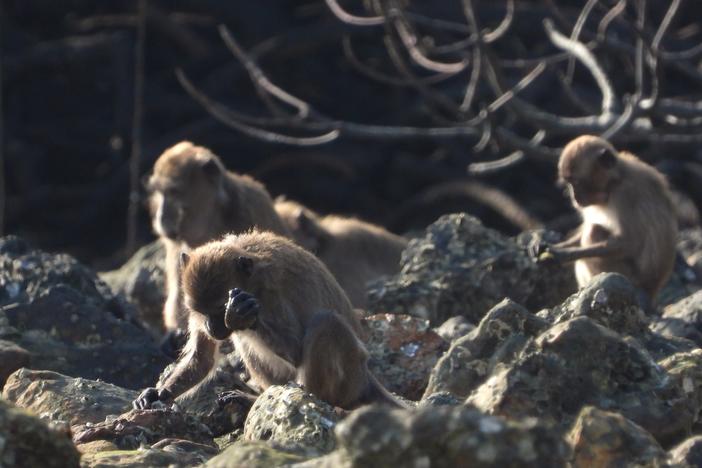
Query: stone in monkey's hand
[{"x": 241, "y": 311}]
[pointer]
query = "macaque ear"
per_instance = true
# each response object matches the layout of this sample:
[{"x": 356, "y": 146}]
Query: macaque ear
[
  {"x": 606, "y": 159},
  {"x": 184, "y": 259},
  {"x": 146, "y": 182},
  {"x": 210, "y": 168},
  {"x": 245, "y": 265}
]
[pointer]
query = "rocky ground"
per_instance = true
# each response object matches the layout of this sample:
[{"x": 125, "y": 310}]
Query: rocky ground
[{"x": 506, "y": 364}]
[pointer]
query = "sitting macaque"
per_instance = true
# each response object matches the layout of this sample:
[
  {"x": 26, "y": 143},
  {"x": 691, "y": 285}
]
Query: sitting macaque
[
  {"x": 354, "y": 251},
  {"x": 629, "y": 223},
  {"x": 193, "y": 200},
  {"x": 285, "y": 314}
]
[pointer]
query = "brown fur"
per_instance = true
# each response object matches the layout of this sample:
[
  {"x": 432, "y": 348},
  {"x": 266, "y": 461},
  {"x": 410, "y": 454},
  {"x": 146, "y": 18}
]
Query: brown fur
[
  {"x": 306, "y": 329},
  {"x": 194, "y": 199},
  {"x": 627, "y": 209},
  {"x": 354, "y": 251}
]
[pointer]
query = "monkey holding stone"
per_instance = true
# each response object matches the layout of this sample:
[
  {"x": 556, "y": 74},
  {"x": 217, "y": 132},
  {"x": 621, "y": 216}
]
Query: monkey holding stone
[
  {"x": 354, "y": 251},
  {"x": 629, "y": 224},
  {"x": 284, "y": 312},
  {"x": 194, "y": 199}
]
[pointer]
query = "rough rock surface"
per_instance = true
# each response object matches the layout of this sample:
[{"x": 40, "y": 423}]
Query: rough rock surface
[
  {"x": 685, "y": 371},
  {"x": 600, "y": 439},
  {"x": 682, "y": 319},
  {"x": 26, "y": 441},
  {"x": 688, "y": 452},
  {"x": 142, "y": 281},
  {"x": 502, "y": 333},
  {"x": 454, "y": 328},
  {"x": 69, "y": 321},
  {"x": 221, "y": 415},
  {"x": 12, "y": 357},
  {"x": 403, "y": 349},
  {"x": 253, "y": 454},
  {"x": 61, "y": 398},
  {"x": 579, "y": 362},
  {"x": 137, "y": 427},
  {"x": 462, "y": 268},
  {"x": 609, "y": 299},
  {"x": 442, "y": 436},
  {"x": 292, "y": 418},
  {"x": 183, "y": 454}
]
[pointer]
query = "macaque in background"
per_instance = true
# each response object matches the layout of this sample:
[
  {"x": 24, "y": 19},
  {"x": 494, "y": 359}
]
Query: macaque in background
[
  {"x": 354, "y": 251},
  {"x": 285, "y": 314},
  {"x": 629, "y": 224},
  {"x": 194, "y": 199}
]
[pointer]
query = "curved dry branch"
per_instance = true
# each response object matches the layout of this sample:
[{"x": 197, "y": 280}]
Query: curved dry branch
[
  {"x": 523, "y": 83},
  {"x": 503, "y": 27},
  {"x": 577, "y": 29},
  {"x": 511, "y": 160},
  {"x": 346, "y": 17},
  {"x": 409, "y": 40},
  {"x": 259, "y": 78},
  {"x": 379, "y": 76},
  {"x": 607, "y": 19},
  {"x": 582, "y": 53},
  {"x": 220, "y": 113},
  {"x": 665, "y": 24}
]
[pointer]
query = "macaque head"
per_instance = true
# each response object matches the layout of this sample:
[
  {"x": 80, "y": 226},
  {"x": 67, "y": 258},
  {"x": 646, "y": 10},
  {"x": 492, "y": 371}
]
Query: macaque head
[
  {"x": 209, "y": 273},
  {"x": 185, "y": 184},
  {"x": 303, "y": 224},
  {"x": 588, "y": 168}
]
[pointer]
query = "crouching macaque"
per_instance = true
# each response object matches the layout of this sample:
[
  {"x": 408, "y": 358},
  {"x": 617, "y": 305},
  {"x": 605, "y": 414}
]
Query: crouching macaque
[
  {"x": 354, "y": 251},
  {"x": 193, "y": 200},
  {"x": 285, "y": 314},
  {"x": 629, "y": 224}
]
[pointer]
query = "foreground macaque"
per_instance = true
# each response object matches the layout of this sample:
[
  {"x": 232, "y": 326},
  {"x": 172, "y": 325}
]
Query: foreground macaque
[
  {"x": 629, "y": 223},
  {"x": 353, "y": 250},
  {"x": 285, "y": 314},
  {"x": 194, "y": 199}
]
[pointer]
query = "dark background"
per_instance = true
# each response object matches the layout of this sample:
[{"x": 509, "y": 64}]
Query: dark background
[{"x": 68, "y": 80}]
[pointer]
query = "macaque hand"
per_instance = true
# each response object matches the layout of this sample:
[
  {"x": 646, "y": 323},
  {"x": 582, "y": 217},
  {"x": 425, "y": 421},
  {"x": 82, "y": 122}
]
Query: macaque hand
[
  {"x": 151, "y": 395},
  {"x": 241, "y": 310}
]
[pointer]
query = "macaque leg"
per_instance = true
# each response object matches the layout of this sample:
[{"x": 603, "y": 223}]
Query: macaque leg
[
  {"x": 194, "y": 365},
  {"x": 334, "y": 362}
]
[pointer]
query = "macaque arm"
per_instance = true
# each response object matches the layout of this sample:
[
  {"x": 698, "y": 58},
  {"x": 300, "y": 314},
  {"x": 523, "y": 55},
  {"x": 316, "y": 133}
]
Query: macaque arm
[
  {"x": 571, "y": 241},
  {"x": 611, "y": 248},
  {"x": 194, "y": 365},
  {"x": 173, "y": 312}
]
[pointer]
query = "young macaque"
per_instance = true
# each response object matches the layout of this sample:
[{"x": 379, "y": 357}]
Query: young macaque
[
  {"x": 194, "y": 199},
  {"x": 354, "y": 251},
  {"x": 629, "y": 224},
  {"x": 285, "y": 314}
]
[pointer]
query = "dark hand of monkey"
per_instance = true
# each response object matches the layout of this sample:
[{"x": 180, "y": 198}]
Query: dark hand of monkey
[
  {"x": 150, "y": 396},
  {"x": 244, "y": 399},
  {"x": 537, "y": 249},
  {"x": 241, "y": 311}
]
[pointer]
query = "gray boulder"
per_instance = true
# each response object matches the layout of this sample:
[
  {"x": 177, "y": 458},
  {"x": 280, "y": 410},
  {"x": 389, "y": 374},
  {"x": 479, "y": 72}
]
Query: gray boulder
[
  {"x": 69, "y": 321},
  {"x": 460, "y": 267}
]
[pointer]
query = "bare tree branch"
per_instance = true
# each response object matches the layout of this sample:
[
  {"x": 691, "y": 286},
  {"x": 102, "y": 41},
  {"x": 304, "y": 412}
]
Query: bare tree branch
[
  {"x": 588, "y": 59},
  {"x": 135, "y": 159},
  {"x": 352, "y": 19}
]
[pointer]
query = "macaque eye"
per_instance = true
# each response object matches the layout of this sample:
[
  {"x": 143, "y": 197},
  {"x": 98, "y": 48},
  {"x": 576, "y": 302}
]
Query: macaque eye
[{"x": 245, "y": 265}]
